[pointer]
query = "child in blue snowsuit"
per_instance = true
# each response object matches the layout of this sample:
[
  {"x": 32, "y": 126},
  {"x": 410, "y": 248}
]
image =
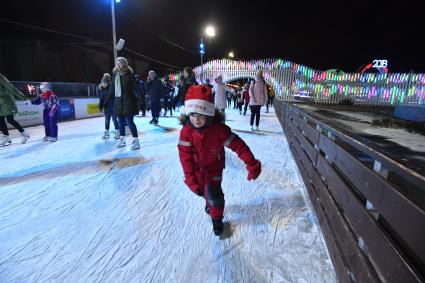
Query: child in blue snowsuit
[{"x": 50, "y": 113}]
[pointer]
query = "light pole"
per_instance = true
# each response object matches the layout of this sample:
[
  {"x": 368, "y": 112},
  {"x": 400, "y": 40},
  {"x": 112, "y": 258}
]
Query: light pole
[
  {"x": 114, "y": 32},
  {"x": 231, "y": 55},
  {"x": 202, "y": 52},
  {"x": 210, "y": 32}
]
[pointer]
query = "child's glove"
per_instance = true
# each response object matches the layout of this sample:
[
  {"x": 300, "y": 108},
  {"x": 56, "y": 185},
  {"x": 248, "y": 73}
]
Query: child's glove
[{"x": 254, "y": 170}]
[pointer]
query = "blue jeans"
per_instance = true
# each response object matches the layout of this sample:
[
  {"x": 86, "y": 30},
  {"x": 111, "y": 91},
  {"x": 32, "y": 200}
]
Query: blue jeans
[
  {"x": 127, "y": 119},
  {"x": 108, "y": 121}
]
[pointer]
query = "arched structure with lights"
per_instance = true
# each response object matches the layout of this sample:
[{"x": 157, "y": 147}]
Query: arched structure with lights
[{"x": 288, "y": 78}]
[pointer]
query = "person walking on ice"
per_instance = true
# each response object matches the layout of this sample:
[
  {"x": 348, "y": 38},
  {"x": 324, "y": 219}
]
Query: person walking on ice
[
  {"x": 7, "y": 109},
  {"x": 107, "y": 109},
  {"x": 50, "y": 113},
  {"x": 201, "y": 150},
  {"x": 257, "y": 98}
]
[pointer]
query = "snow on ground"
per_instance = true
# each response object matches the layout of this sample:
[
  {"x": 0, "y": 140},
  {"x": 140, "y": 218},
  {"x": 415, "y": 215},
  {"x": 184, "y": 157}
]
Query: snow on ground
[{"x": 80, "y": 210}]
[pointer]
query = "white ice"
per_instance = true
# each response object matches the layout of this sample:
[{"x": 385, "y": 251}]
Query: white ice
[{"x": 80, "y": 210}]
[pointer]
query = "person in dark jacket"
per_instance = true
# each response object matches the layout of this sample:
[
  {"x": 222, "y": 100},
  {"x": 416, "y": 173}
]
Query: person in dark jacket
[
  {"x": 142, "y": 99},
  {"x": 187, "y": 80},
  {"x": 155, "y": 90},
  {"x": 107, "y": 109},
  {"x": 168, "y": 96},
  {"x": 125, "y": 92}
]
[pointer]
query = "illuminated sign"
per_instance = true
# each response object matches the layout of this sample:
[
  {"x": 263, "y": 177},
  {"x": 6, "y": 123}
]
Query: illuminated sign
[{"x": 381, "y": 65}]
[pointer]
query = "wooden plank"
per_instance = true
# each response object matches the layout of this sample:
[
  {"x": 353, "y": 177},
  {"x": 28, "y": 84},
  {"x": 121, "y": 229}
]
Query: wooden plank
[
  {"x": 312, "y": 153},
  {"x": 359, "y": 265},
  {"x": 340, "y": 267},
  {"x": 311, "y": 133},
  {"x": 388, "y": 262},
  {"x": 402, "y": 214}
]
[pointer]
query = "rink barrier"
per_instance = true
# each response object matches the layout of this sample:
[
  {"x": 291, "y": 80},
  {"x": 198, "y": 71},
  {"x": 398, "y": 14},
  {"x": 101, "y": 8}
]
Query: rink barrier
[
  {"x": 372, "y": 223},
  {"x": 69, "y": 109}
]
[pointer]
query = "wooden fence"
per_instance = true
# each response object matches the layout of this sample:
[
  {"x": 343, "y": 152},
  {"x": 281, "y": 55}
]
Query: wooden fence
[{"x": 374, "y": 229}]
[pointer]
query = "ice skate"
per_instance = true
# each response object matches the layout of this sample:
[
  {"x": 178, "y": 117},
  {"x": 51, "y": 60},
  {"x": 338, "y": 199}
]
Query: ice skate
[
  {"x": 5, "y": 141},
  {"x": 117, "y": 134},
  {"x": 252, "y": 128},
  {"x": 256, "y": 128},
  {"x": 105, "y": 135},
  {"x": 53, "y": 139},
  {"x": 155, "y": 122},
  {"x": 24, "y": 137},
  {"x": 152, "y": 121},
  {"x": 218, "y": 226},
  {"x": 121, "y": 143},
  {"x": 46, "y": 139},
  {"x": 135, "y": 144}
]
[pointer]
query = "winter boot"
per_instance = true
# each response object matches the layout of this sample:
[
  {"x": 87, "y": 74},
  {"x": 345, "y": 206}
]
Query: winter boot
[
  {"x": 53, "y": 139},
  {"x": 5, "y": 140},
  {"x": 105, "y": 135},
  {"x": 24, "y": 137},
  {"x": 207, "y": 210},
  {"x": 117, "y": 134},
  {"x": 121, "y": 143},
  {"x": 218, "y": 226},
  {"x": 46, "y": 139},
  {"x": 135, "y": 144}
]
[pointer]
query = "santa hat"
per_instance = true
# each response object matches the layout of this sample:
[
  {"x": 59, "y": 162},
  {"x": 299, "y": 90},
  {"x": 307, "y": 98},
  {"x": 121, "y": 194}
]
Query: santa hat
[{"x": 199, "y": 100}]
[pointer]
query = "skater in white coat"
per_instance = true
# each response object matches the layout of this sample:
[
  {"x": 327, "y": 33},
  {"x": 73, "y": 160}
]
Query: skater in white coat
[{"x": 220, "y": 90}]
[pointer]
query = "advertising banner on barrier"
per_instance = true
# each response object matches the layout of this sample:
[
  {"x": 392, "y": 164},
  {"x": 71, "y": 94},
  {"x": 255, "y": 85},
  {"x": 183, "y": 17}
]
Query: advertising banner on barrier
[
  {"x": 66, "y": 109},
  {"x": 86, "y": 108},
  {"x": 28, "y": 115}
]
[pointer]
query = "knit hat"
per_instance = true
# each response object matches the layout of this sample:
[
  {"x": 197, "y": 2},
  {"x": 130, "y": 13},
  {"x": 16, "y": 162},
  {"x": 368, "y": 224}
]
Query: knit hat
[
  {"x": 123, "y": 61},
  {"x": 199, "y": 100},
  {"x": 45, "y": 86}
]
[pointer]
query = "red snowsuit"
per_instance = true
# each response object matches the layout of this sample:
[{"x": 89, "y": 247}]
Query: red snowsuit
[{"x": 202, "y": 158}]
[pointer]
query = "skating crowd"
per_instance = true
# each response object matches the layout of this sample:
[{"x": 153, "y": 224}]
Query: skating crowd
[{"x": 204, "y": 135}]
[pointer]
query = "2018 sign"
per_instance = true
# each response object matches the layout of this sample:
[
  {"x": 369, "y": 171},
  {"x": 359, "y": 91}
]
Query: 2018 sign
[{"x": 380, "y": 64}]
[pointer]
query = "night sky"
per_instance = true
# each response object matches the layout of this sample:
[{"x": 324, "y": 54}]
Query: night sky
[{"x": 324, "y": 35}]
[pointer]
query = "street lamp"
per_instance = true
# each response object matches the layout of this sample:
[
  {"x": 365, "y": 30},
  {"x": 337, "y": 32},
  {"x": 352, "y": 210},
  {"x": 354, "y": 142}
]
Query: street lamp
[
  {"x": 210, "y": 32},
  {"x": 231, "y": 54},
  {"x": 114, "y": 33}
]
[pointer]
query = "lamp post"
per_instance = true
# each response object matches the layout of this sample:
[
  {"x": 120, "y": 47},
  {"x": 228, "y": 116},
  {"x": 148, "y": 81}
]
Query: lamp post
[
  {"x": 114, "y": 32},
  {"x": 231, "y": 55},
  {"x": 210, "y": 32}
]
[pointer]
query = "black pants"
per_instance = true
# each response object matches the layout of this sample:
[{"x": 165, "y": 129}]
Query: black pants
[
  {"x": 129, "y": 120},
  {"x": 240, "y": 104},
  {"x": 255, "y": 113},
  {"x": 10, "y": 120},
  {"x": 245, "y": 107}
]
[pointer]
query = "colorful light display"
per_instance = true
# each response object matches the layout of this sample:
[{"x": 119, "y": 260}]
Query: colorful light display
[{"x": 288, "y": 78}]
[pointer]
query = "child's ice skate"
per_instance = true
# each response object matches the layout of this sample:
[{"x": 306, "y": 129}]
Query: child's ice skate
[{"x": 218, "y": 226}]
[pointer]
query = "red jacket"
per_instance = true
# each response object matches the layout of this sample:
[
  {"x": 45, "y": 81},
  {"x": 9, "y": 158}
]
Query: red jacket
[
  {"x": 245, "y": 94},
  {"x": 204, "y": 151}
]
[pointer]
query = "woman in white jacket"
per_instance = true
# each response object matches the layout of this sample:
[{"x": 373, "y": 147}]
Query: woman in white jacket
[
  {"x": 220, "y": 94},
  {"x": 258, "y": 97}
]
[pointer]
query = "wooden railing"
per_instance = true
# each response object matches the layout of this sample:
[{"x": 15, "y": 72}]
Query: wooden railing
[{"x": 373, "y": 227}]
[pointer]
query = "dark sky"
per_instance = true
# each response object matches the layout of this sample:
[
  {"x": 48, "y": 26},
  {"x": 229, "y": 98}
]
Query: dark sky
[{"x": 320, "y": 34}]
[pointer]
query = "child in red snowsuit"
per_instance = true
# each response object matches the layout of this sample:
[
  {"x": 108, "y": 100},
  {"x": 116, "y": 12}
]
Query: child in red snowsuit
[{"x": 201, "y": 150}]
